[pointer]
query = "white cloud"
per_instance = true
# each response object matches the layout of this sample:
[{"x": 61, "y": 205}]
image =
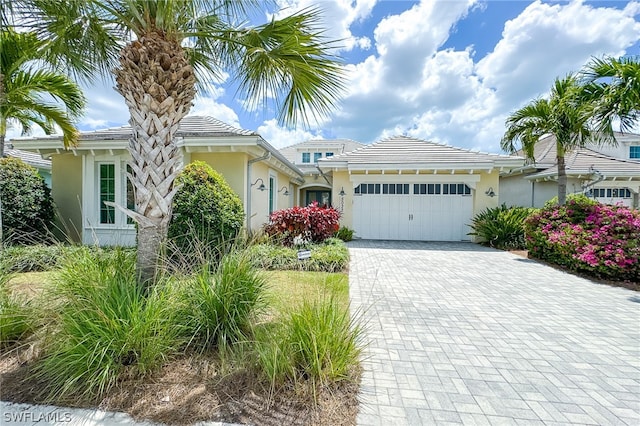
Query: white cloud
[
  {"x": 338, "y": 15},
  {"x": 280, "y": 137},
  {"x": 209, "y": 105},
  {"x": 411, "y": 86}
]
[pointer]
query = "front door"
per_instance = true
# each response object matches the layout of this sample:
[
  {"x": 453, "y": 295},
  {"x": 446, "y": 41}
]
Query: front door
[{"x": 323, "y": 198}]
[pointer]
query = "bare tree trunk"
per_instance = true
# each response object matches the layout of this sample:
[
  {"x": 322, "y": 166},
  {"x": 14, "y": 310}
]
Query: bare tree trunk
[
  {"x": 562, "y": 180},
  {"x": 158, "y": 85}
]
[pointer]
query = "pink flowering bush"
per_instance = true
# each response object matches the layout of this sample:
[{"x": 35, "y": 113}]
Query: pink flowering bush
[
  {"x": 303, "y": 224},
  {"x": 585, "y": 236}
]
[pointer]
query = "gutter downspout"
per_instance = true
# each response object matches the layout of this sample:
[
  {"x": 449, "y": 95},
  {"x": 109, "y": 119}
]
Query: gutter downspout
[{"x": 266, "y": 156}]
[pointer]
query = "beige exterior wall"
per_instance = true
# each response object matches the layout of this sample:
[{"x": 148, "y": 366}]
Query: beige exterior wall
[
  {"x": 231, "y": 165},
  {"x": 481, "y": 200},
  {"x": 340, "y": 181},
  {"x": 260, "y": 199},
  {"x": 66, "y": 183}
]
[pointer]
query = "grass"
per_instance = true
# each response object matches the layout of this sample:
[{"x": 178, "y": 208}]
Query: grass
[{"x": 99, "y": 337}]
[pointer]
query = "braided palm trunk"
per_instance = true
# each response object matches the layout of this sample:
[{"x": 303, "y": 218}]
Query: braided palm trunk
[{"x": 158, "y": 86}]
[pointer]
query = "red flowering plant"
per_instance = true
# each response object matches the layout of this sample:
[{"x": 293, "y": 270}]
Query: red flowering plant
[
  {"x": 303, "y": 224},
  {"x": 599, "y": 239}
]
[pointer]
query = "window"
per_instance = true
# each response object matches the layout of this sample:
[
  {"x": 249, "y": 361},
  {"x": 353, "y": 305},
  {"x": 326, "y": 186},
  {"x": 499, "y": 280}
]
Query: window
[
  {"x": 131, "y": 200},
  {"x": 317, "y": 156},
  {"x": 441, "y": 189},
  {"x": 368, "y": 188},
  {"x": 107, "y": 181},
  {"x": 634, "y": 151},
  {"x": 272, "y": 187},
  {"x": 329, "y": 154},
  {"x": 306, "y": 157}
]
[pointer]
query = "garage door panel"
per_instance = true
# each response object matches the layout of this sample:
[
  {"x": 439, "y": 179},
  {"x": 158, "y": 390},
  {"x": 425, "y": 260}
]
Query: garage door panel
[{"x": 415, "y": 216}]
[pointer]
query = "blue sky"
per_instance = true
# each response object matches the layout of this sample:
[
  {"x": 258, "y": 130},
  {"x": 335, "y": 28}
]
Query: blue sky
[{"x": 448, "y": 71}]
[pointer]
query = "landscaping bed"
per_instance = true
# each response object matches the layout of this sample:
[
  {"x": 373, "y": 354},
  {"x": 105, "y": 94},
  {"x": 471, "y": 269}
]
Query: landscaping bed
[{"x": 257, "y": 370}]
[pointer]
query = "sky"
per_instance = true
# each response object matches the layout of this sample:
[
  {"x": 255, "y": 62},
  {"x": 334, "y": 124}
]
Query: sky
[{"x": 448, "y": 71}]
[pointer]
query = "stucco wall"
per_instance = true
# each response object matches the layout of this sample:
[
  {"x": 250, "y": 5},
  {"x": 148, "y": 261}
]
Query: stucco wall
[
  {"x": 340, "y": 181},
  {"x": 481, "y": 200},
  {"x": 516, "y": 191},
  {"x": 260, "y": 199},
  {"x": 66, "y": 183},
  {"x": 232, "y": 165}
]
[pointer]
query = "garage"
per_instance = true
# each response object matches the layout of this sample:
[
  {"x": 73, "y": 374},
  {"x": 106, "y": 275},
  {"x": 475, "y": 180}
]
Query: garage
[
  {"x": 413, "y": 211},
  {"x": 403, "y": 188}
]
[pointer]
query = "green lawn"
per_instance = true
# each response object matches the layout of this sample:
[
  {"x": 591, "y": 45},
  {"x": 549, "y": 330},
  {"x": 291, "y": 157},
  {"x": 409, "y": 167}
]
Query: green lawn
[{"x": 287, "y": 289}]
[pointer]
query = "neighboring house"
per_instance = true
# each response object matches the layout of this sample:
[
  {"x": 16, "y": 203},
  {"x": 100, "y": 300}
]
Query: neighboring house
[
  {"x": 94, "y": 171},
  {"x": 590, "y": 170},
  {"x": 305, "y": 155},
  {"x": 403, "y": 188},
  {"x": 35, "y": 160}
]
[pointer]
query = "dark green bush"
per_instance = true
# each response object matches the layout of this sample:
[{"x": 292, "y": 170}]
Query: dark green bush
[
  {"x": 205, "y": 209},
  {"x": 345, "y": 234},
  {"x": 27, "y": 207},
  {"x": 501, "y": 227}
]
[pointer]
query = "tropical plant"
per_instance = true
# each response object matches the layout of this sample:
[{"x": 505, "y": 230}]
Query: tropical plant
[
  {"x": 614, "y": 84},
  {"x": 501, "y": 227},
  {"x": 27, "y": 205},
  {"x": 299, "y": 225},
  {"x": 158, "y": 51},
  {"x": 589, "y": 237},
  {"x": 31, "y": 94},
  {"x": 568, "y": 115},
  {"x": 345, "y": 233}
]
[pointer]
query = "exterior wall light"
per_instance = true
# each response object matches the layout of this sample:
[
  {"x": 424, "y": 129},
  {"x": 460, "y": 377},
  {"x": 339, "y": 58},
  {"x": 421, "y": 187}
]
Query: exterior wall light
[
  {"x": 261, "y": 187},
  {"x": 490, "y": 192},
  {"x": 286, "y": 191}
]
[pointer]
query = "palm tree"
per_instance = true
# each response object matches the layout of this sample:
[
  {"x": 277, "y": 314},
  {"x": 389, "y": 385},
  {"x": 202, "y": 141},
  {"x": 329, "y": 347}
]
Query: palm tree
[
  {"x": 24, "y": 89},
  {"x": 31, "y": 95},
  {"x": 159, "y": 50},
  {"x": 615, "y": 86},
  {"x": 567, "y": 115}
]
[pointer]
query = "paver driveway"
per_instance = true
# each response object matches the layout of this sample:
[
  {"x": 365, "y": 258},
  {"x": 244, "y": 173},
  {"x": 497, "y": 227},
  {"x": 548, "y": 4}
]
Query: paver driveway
[{"x": 459, "y": 333}]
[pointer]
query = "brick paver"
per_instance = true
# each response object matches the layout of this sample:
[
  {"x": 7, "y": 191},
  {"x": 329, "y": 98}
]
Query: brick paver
[{"x": 462, "y": 334}]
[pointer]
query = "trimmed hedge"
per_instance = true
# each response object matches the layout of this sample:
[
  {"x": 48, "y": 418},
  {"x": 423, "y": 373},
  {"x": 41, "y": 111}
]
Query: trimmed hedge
[{"x": 205, "y": 208}]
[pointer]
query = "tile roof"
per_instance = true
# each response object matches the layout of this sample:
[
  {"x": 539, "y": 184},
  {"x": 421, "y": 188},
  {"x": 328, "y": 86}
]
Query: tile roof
[
  {"x": 190, "y": 126},
  {"x": 580, "y": 161},
  {"x": 583, "y": 161},
  {"x": 399, "y": 150},
  {"x": 30, "y": 158}
]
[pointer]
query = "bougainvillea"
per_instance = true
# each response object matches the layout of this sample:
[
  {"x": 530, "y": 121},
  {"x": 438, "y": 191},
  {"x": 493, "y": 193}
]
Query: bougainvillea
[
  {"x": 599, "y": 239},
  {"x": 302, "y": 224}
]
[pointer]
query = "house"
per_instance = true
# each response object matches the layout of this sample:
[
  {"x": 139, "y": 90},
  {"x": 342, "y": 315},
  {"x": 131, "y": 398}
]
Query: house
[
  {"x": 592, "y": 170},
  {"x": 305, "y": 156},
  {"x": 403, "y": 188},
  {"x": 95, "y": 171},
  {"x": 34, "y": 160}
]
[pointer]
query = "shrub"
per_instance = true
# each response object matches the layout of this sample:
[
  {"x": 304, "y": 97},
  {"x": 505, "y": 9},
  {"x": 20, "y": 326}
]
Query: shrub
[
  {"x": 27, "y": 207},
  {"x": 16, "y": 315},
  {"x": 332, "y": 256},
  {"x": 205, "y": 208},
  {"x": 501, "y": 227},
  {"x": 344, "y": 233},
  {"x": 220, "y": 304},
  {"x": 318, "y": 340},
  {"x": 598, "y": 239},
  {"x": 311, "y": 223},
  {"x": 106, "y": 328},
  {"x": 579, "y": 198}
]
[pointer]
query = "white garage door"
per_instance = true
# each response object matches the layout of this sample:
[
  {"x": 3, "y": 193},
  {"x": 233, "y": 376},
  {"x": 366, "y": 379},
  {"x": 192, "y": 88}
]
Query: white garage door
[{"x": 408, "y": 211}]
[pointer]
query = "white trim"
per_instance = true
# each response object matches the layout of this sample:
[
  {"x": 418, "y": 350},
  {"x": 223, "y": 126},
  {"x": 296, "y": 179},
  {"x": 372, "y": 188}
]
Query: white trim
[
  {"x": 470, "y": 180},
  {"x": 272, "y": 174}
]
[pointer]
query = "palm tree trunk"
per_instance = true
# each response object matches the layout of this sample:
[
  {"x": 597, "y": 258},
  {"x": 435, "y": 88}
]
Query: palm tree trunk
[
  {"x": 562, "y": 180},
  {"x": 158, "y": 85}
]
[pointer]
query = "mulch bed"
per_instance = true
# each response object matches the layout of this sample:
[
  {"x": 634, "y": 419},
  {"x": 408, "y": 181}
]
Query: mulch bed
[{"x": 193, "y": 389}]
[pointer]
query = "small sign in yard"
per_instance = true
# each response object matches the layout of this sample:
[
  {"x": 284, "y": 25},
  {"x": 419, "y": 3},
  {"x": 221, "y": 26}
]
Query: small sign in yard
[{"x": 304, "y": 254}]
